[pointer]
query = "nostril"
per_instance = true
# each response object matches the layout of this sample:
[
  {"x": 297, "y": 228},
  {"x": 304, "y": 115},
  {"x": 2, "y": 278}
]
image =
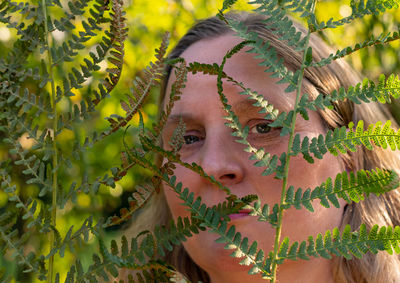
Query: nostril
[{"x": 230, "y": 176}]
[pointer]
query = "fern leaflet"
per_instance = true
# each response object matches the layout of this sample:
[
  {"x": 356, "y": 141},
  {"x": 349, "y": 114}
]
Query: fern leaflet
[
  {"x": 348, "y": 244},
  {"x": 340, "y": 140},
  {"x": 384, "y": 91},
  {"x": 347, "y": 186},
  {"x": 360, "y": 8},
  {"x": 381, "y": 39}
]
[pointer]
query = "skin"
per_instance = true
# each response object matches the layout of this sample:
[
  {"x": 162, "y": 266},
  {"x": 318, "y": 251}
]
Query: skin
[{"x": 211, "y": 145}]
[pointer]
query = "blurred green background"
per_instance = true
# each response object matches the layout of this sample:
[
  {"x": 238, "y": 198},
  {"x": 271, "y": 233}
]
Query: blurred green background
[{"x": 147, "y": 22}]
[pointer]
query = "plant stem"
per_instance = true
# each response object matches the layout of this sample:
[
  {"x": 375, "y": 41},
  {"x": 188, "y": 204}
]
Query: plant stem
[
  {"x": 286, "y": 169},
  {"x": 55, "y": 155}
]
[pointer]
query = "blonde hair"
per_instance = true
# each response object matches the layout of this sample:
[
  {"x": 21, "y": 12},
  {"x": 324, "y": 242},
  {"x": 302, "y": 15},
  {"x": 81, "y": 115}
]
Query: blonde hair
[{"x": 383, "y": 210}]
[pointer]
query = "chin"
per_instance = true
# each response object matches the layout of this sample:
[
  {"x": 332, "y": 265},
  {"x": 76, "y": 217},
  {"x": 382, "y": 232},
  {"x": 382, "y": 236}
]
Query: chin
[{"x": 208, "y": 254}]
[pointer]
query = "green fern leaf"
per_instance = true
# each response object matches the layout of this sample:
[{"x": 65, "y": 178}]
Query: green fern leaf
[
  {"x": 348, "y": 244},
  {"x": 359, "y": 8},
  {"x": 348, "y": 186},
  {"x": 281, "y": 25},
  {"x": 367, "y": 91},
  {"x": 341, "y": 140},
  {"x": 265, "y": 52},
  {"x": 381, "y": 39}
]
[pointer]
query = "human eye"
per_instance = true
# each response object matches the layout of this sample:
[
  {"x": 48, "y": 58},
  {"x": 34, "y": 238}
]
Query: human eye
[
  {"x": 190, "y": 139},
  {"x": 259, "y": 127}
]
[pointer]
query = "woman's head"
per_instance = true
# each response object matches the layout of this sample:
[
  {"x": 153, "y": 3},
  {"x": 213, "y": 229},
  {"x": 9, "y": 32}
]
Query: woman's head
[{"x": 209, "y": 143}]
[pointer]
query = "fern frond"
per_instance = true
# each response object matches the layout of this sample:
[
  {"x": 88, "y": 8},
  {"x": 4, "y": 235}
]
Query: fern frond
[
  {"x": 264, "y": 213},
  {"x": 34, "y": 166},
  {"x": 14, "y": 242},
  {"x": 176, "y": 91},
  {"x": 207, "y": 69},
  {"x": 19, "y": 125},
  {"x": 28, "y": 10},
  {"x": 118, "y": 32},
  {"x": 174, "y": 234},
  {"x": 29, "y": 207},
  {"x": 233, "y": 204},
  {"x": 78, "y": 114},
  {"x": 25, "y": 100},
  {"x": 6, "y": 9},
  {"x": 367, "y": 91},
  {"x": 226, "y": 5},
  {"x": 176, "y": 159},
  {"x": 348, "y": 244},
  {"x": 340, "y": 140},
  {"x": 128, "y": 159},
  {"x": 381, "y": 39},
  {"x": 347, "y": 186},
  {"x": 264, "y": 158},
  {"x": 112, "y": 44},
  {"x": 71, "y": 47},
  {"x": 152, "y": 76},
  {"x": 260, "y": 101},
  {"x": 154, "y": 272},
  {"x": 281, "y": 25},
  {"x": 177, "y": 139},
  {"x": 360, "y": 8},
  {"x": 213, "y": 220},
  {"x": 71, "y": 239},
  {"x": 139, "y": 198},
  {"x": 96, "y": 270},
  {"x": 141, "y": 253},
  {"x": 267, "y": 54}
]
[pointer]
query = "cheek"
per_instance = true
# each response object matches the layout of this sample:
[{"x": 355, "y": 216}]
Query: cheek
[
  {"x": 189, "y": 180},
  {"x": 305, "y": 175},
  {"x": 299, "y": 224},
  {"x": 174, "y": 203},
  {"x": 310, "y": 175}
]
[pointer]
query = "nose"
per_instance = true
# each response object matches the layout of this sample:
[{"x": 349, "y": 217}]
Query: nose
[{"x": 222, "y": 158}]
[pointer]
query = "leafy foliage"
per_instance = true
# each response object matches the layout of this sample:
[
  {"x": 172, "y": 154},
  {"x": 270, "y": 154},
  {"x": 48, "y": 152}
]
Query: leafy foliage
[
  {"x": 348, "y": 244},
  {"x": 367, "y": 91},
  {"x": 53, "y": 89},
  {"x": 350, "y": 187},
  {"x": 382, "y": 39},
  {"x": 359, "y": 9},
  {"x": 341, "y": 140}
]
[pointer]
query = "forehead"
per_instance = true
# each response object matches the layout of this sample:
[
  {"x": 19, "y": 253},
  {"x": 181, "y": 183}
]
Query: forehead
[{"x": 242, "y": 66}]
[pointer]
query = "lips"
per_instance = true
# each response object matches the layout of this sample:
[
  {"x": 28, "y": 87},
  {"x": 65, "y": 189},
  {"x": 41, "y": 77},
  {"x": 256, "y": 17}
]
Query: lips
[{"x": 240, "y": 214}]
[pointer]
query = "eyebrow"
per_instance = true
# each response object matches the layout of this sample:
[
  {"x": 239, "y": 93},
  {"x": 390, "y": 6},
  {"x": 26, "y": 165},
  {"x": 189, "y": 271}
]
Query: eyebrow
[
  {"x": 247, "y": 106},
  {"x": 241, "y": 107},
  {"x": 174, "y": 119}
]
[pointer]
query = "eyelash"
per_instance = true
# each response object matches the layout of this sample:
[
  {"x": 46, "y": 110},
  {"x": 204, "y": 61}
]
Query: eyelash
[
  {"x": 188, "y": 141},
  {"x": 191, "y": 139},
  {"x": 263, "y": 123}
]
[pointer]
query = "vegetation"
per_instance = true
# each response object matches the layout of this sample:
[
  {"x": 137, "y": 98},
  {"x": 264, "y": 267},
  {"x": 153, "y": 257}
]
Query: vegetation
[{"x": 75, "y": 143}]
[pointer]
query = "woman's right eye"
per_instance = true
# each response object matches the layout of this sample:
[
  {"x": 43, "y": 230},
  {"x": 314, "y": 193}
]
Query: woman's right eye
[{"x": 189, "y": 139}]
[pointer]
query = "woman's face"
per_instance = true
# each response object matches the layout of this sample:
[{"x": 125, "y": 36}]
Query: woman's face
[{"x": 210, "y": 144}]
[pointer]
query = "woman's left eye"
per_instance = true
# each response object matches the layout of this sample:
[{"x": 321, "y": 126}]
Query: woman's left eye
[
  {"x": 189, "y": 139},
  {"x": 260, "y": 128}
]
